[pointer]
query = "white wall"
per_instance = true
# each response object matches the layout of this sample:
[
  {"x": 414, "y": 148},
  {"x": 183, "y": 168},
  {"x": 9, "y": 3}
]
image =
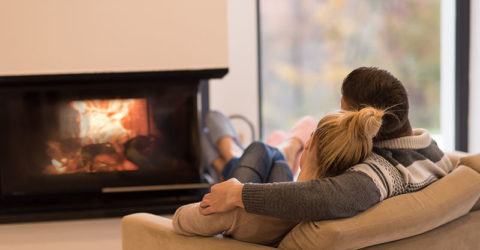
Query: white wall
[
  {"x": 237, "y": 93},
  {"x": 446, "y": 138},
  {"x": 474, "y": 112},
  {"x": 83, "y": 36}
]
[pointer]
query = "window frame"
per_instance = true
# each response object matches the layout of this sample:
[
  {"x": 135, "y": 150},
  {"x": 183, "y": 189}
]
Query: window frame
[{"x": 462, "y": 73}]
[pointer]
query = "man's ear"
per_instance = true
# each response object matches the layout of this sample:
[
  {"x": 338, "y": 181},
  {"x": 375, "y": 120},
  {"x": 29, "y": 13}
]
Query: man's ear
[{"x": 343, "y": 104}]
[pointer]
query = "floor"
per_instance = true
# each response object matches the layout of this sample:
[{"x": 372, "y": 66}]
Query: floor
[{"x": 93, "y": 234}]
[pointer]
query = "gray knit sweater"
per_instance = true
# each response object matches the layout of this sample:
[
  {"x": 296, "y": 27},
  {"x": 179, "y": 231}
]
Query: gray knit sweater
[{"x": 396, "y": 166}]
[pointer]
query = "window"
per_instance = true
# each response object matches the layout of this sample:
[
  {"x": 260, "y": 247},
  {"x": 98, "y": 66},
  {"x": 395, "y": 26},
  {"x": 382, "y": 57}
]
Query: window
[{"x": 309, "y": 46}]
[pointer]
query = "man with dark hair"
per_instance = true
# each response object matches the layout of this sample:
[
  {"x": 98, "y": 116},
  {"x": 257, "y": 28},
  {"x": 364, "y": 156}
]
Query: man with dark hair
[
  {"x": 378, "y": 88},
  {"x": 403, "y": 160}
]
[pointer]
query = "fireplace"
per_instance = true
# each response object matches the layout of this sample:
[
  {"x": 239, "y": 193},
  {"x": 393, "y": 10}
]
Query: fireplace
[{"x": 100, "y": 144}]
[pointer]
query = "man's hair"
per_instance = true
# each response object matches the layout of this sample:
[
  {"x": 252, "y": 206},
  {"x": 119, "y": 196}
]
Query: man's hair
[{"x": 369, "y": 86}]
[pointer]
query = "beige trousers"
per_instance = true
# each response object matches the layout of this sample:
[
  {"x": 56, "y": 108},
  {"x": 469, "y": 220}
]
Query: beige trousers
[{"x": 237, "y": 224}]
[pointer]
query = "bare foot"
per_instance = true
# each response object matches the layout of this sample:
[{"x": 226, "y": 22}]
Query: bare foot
[
  {"x": 228, "y": 149},
  {"x": 291, "y": 149}
]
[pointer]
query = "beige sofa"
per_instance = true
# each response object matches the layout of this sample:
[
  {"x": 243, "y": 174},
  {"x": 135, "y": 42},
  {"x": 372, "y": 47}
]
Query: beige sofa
[{"x": 445, "y": 215}]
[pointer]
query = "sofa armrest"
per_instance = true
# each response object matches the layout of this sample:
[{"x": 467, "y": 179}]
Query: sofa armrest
[{"x": 144, "y": 231}]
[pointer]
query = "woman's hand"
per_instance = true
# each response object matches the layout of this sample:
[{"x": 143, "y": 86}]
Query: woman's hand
[{"x": 223, "y": 197}]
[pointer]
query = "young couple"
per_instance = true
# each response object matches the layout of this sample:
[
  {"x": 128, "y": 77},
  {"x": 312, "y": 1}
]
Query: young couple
[{"x": 353, "y": 159}]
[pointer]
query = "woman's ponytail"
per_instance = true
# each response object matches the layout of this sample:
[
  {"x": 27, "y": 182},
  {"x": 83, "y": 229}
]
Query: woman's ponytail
[
  {"x": 370, "y": 120},
  {"x": 345, "y": 139}
]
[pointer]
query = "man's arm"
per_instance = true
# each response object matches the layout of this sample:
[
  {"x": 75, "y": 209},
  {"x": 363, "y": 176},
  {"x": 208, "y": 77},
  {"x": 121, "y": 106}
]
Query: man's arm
[
  {"x": 329, "y": 198},
  {"x": 342, "y": 196}
]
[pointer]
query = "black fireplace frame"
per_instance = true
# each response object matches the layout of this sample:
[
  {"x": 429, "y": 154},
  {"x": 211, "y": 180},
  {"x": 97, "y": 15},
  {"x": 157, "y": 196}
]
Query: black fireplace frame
[{"x": 92, "y": 205}]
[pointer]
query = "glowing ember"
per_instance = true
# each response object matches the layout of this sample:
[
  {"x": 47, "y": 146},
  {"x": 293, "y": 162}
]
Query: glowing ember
[{"x": 100, "y": 121}]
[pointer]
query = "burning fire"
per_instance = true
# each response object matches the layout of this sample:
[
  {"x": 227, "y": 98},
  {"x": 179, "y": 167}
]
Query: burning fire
[
  {"x": 100, "y": 121},
  {"x": 96, "y": 135}
]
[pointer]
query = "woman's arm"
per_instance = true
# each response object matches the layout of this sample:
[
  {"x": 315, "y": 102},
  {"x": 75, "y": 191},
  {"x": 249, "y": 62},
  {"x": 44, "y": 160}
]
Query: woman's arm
[
  {"x": 187, "y": 220},
  {"x": 329, "y": 198}
]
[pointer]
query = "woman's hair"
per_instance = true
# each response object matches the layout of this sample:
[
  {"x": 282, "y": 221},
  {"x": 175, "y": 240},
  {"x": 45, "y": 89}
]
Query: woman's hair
[
  {"x": 369, "y": 86},
  {"x": 344, "y": 139}
]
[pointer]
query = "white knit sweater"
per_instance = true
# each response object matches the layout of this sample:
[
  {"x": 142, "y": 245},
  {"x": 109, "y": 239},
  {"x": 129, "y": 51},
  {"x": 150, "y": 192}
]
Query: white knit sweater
[{"x": 405, "y": 164}]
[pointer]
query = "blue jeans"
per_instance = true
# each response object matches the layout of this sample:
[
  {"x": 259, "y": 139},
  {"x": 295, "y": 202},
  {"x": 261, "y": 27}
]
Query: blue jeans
[{"x": 259, "y": 163}]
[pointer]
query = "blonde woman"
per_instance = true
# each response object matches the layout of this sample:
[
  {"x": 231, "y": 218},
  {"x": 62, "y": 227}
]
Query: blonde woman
[{"x": 340, "y": 140}]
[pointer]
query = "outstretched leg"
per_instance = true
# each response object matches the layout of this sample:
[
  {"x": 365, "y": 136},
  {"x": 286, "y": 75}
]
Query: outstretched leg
[
  {"x": 257, "y": 163},
  {"x": 281, "y": 172}
]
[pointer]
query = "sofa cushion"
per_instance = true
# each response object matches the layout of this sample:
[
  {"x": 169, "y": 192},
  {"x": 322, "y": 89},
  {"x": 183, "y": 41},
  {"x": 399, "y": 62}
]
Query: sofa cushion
[
  {"x": 461, "y": 233},
  {"x": 395, "y": 218},
  {"x": 473, "y": 161},
  {"x": 476, "y": 206}
]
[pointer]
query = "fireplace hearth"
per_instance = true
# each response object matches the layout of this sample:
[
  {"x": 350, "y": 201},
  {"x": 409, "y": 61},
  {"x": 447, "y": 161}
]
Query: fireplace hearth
[{"x": 90, "y": 145}]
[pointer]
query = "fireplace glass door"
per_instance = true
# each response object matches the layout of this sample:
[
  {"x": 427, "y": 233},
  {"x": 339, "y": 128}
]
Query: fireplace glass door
[{"x": 84, "y": 139}]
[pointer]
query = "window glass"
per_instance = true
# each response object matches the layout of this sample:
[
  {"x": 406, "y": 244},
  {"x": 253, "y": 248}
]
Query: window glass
[{"x": 309, "y": 46}]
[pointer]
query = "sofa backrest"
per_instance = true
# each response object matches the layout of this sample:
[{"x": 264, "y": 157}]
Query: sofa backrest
[
  {"x": 395, "y": 218},
  {"x": 472, "y": 161}
]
